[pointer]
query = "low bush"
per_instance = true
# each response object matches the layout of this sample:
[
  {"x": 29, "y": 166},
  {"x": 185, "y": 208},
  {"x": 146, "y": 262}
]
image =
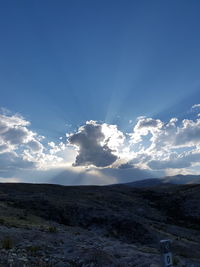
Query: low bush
[
  {"x": 7, "y": 243},
  {"x": 52, "y": 229}
]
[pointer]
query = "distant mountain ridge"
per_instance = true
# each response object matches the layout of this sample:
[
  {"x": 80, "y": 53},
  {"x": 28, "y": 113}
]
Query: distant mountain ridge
[{"x": 177, "y": 179}]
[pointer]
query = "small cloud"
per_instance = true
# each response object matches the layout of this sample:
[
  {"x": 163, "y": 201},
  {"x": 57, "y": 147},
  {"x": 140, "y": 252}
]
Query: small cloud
[
  {"x": 5, "y": 111},
  {"x": 196, "y": 106},
  {"x": 35, "y": 145}
]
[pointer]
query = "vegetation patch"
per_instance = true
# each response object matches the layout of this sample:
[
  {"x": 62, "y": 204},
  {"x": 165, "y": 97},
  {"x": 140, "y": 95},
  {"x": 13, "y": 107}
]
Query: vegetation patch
[{"x": 7, "y": 243}]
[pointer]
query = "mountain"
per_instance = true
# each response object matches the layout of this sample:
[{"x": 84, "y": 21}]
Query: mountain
[
  {"x": 182, "y": 179},
  {"x": 53, "y": 225},
  {"x": 177, "y": 179}
]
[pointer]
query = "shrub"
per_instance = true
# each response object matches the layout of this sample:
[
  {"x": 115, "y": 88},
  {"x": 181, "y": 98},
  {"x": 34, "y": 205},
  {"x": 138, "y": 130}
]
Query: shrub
[
  {"x": 52, "y": 229},
  {"x": 7, "y": 243},
  {"x": 175, "y": 261},
  {"x": 2, "y": 221}
]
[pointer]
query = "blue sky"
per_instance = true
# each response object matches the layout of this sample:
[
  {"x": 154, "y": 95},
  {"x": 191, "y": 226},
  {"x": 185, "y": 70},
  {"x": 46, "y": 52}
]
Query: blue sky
[{"x": 63, "y": 63}]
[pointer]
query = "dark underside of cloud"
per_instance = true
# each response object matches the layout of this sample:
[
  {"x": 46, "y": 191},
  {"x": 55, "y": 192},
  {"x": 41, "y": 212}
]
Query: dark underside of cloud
[{"x": 89, "y": 140}]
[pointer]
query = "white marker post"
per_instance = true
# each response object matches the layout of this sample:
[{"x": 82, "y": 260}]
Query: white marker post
[{"x": 166, "y": 254}]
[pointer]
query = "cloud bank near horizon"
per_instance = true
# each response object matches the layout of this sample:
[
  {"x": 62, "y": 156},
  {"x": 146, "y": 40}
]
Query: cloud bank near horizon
[{"x": 152, "y": 147}]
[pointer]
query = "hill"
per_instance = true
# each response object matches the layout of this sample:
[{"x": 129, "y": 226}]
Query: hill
[
  {"x": 114, "y": 225},
  {"x": 177, "y": 179}
]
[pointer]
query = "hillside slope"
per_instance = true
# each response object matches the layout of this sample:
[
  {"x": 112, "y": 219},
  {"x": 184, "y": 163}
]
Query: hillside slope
[
  {"x": 177, "y": 179},
  {"x": 122, "y": 223}
]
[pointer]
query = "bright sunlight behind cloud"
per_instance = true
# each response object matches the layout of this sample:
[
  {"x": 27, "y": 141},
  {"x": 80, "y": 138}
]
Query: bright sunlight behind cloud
[{"x": 152, "y": 145}]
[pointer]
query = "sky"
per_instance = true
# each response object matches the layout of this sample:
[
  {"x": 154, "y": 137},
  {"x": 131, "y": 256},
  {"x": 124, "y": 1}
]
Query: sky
[{"x": 99, "y": 92}]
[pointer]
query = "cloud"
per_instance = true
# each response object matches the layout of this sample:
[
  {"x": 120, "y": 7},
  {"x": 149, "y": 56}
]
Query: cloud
[
  {"x": 35, "y": 146},
  {"x": 188, "y": 134},
  {"x": 145, "y": 126},
  {"x": 168, "y": 145},
  {"x": 14, "y": 131},
  {"x": 148, "y": 123},
  {"x": 11, "y": 163},
  {"x": 16, "y": 135},
  {"x": 169, "y": 164},
  {"x": 196, "y": 106},
  {"x": 182, "y": 161},
  {"x": 153, "y": 145},
  {"x": 125, "y": 166},
  {"x": 21, "y": 148},
  {"x": 92, "y": 146},
  {"x": 99, "y": 152}
]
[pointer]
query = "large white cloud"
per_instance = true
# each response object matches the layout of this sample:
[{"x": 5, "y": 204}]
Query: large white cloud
[
  {"x": 14, "y": 131},
  {"x": 188, "y": 133},
  {"x": 21, "y": 148},
  {"x": 171, "y": 145}
]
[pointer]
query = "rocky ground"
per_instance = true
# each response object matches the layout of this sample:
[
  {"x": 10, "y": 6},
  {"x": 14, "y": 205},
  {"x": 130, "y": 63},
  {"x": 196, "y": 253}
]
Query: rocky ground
[
  {"x": 71, "y": 246},
  {"x": 48, "y": 225}
]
